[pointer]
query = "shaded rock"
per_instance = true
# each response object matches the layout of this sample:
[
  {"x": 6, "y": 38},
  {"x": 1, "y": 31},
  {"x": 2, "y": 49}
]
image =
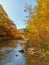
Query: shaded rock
[
  {"x": 16, "y": 55},
  {"x": 21, "y": 51}
]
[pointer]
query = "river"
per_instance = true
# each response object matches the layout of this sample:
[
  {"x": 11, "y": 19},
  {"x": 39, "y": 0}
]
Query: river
[{"x": 12, "y": 56}]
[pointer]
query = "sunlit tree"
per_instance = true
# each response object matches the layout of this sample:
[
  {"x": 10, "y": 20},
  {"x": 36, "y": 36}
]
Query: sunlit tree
[{"x": 37, "y": 29}]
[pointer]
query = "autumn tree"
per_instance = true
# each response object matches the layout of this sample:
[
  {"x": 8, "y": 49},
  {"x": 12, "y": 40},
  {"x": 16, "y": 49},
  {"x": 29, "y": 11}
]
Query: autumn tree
[
  {"x": 37, "y": 29},
  {"x": 8, "y": 30}
]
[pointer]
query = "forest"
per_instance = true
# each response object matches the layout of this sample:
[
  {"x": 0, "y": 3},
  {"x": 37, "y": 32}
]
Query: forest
[{"x": 34, "y": 38}]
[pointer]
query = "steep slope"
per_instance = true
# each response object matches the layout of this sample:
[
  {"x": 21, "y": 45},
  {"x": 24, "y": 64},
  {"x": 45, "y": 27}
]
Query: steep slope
[{"x": 8, "y": 30}]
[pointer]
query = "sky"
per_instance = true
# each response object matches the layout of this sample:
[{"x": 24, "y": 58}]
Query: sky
[{"x": 15, "y": 10}]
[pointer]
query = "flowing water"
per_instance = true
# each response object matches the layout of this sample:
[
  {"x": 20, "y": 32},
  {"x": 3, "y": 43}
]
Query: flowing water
[{"x": 12, "y": 56}]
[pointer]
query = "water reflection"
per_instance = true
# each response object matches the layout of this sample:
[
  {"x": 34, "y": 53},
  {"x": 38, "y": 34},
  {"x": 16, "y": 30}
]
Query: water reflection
[{"x": 12, "y": 56}]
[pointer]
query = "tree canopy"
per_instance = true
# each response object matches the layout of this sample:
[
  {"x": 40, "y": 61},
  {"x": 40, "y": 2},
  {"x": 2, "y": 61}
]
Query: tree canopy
[{"x": 37, "y": 29}]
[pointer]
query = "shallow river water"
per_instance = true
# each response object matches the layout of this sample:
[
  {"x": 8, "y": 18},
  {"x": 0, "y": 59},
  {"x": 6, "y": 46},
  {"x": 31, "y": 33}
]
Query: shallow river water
[{"x": 12, "y": 56}]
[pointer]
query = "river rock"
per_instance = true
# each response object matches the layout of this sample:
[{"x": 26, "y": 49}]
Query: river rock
[{"x": 21, "y": 51}]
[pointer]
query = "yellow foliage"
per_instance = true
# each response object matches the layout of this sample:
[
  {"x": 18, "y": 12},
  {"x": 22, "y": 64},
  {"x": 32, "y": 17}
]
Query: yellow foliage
[{"x": 38, "y": 26}]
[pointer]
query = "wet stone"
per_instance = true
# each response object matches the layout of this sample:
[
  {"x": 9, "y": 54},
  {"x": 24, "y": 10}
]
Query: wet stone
[
  {"x": 21, "y": 51},
  {"x": 16, "y": 55}
]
